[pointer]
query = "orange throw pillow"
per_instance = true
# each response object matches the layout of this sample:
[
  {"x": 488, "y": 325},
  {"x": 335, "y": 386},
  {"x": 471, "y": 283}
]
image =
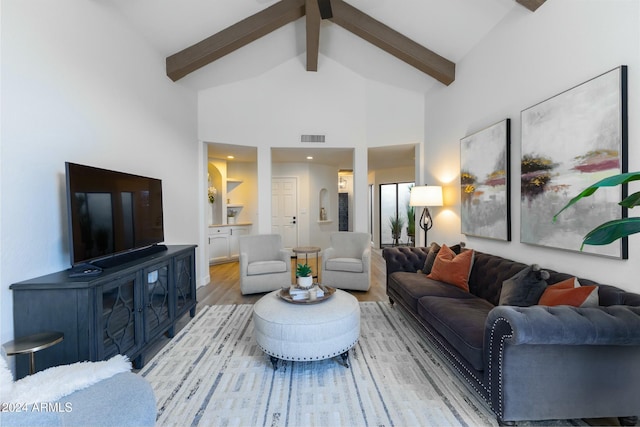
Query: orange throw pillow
[
  {"x": 451, "y": 268},
  {"x": 569, "y": 292}
]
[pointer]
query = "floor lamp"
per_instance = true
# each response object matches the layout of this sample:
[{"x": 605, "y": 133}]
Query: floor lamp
[{"x": 425, "y": 196}]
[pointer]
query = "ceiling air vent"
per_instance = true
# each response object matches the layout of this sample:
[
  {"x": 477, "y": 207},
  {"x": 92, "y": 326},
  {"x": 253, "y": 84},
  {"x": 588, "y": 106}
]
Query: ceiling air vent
[{"x": 312, "y": 138}]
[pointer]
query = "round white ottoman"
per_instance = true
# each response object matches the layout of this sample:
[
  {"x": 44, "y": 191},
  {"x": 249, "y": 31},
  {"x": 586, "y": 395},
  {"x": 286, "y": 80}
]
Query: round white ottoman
[{"x": 305, "y": 332}]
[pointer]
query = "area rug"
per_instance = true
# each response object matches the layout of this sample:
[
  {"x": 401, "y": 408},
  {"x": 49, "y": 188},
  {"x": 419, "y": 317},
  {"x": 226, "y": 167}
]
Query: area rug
[{"x": 213, "y": 374}]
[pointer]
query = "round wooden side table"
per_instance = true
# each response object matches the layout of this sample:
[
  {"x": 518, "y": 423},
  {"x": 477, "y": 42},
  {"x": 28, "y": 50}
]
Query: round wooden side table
[
  {"x": 306, "y": 250},
  {"x": 30, "y": 344}
]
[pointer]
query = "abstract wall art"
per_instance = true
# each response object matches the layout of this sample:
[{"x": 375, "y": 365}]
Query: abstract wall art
[
  {"x": 569, "y": 142},
  {"x": 484, "y": 182}
]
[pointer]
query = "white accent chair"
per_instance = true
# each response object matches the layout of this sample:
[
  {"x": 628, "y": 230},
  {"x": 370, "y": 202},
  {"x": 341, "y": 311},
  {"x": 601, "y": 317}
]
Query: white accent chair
[
  {"x": 264, "y": 263},
  {"x": 347, "y": 263}
]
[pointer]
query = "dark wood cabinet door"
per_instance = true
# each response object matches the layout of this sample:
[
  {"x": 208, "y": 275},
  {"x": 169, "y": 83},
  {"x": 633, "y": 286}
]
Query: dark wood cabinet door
[
  {"x": 158, "y": 312},
  {"x": 185, "y": 289},
  {"x": 118, "y": 317}
]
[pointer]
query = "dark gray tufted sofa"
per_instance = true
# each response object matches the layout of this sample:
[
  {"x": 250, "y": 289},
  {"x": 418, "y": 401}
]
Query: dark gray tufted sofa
[{"x": 528, "y": 363}]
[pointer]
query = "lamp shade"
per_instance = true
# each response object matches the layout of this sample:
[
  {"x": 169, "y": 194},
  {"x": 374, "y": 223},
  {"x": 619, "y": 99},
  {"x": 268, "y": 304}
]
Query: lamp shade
[{"x": 426, "y": 195}]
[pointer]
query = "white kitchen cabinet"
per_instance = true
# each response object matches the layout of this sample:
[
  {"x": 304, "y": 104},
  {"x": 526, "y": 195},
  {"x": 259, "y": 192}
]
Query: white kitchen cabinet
[
  {"x": 223, "y": 242},
  {"x": 218, "y": 244}
]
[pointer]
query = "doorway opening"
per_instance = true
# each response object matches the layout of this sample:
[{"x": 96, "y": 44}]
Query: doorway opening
[
  {"x": 322, "y": 173},
  {"x": 390, "y": 165},
  {"x": 397, "y": 218}
]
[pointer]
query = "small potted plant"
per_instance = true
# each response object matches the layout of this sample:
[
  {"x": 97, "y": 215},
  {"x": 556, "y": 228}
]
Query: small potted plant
[
  {"x": 304, "y": 277},
  {"x": 397, "y": 224},
  {"x": 411, "y": 224},
  {"x": 231, "y": 216}
]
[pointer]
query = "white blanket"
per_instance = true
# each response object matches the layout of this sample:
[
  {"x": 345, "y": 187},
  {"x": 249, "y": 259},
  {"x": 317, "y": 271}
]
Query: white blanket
[{"x": 59, "y": 381}]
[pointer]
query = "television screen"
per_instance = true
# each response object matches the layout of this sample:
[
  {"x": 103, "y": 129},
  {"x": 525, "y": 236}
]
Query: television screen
[{"x": 111, "y": 212}]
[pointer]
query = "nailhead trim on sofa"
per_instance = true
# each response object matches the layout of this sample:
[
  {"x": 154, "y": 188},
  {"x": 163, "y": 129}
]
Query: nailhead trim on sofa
[{"x": 503, "y": 337}]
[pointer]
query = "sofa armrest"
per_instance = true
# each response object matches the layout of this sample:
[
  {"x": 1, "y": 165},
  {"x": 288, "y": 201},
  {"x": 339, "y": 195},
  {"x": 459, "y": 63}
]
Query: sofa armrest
[
  {"x": 404, "y": 258},
  {"x": 555, "y": 356},
  {"x": 125, "y": 399},
  {"x": 26, "y": 416},
  {"x": 565, "y": 325}
]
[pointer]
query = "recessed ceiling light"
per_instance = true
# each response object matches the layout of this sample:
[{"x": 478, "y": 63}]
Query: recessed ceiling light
[
  {"x": 309, "y": 157},
  {"x": 230, "y": 157}
]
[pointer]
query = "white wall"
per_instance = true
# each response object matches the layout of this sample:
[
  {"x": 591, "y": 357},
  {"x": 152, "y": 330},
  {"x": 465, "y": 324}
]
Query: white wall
[
  {"x": 526, "y": 59},
  {"x": 78, "y": 85},
  {"x": 223, "y": 174},
  {"x": 245, "y": 193},
  {"x": 274, "y": 109},
  {"x": 322, "y": 177}
]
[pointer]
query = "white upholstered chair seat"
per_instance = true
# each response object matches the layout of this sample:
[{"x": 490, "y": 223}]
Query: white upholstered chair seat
[
  {"x": 266, "y": 267},
  {"x": 353, "y": 265}
]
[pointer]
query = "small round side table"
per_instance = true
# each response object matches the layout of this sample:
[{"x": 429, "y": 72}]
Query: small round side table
[
  {"x": 306, "y": 250},
  {"x": 31, "y": 344}
]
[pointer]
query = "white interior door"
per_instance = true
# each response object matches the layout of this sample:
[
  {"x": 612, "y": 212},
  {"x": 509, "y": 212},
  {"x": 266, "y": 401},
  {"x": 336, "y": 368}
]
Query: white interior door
[{"x": 284, "y": 210}]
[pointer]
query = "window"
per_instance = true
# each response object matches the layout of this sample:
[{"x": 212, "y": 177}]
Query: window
[{"x": 394, "y": 202}]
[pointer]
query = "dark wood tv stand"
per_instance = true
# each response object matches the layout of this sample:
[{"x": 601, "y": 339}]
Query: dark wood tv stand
[{"x": 121, "y": 311}]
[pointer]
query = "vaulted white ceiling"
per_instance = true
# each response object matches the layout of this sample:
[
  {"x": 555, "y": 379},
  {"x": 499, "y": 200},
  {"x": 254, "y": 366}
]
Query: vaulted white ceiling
[{"x": 451, "y": 28}]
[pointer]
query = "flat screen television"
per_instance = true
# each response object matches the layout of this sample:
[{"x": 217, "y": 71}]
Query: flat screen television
[{"x": 113, "y": 216}]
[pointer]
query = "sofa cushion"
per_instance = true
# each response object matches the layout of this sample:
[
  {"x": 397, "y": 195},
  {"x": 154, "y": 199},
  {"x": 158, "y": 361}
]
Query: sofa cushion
[
  {"x": 451, "y": 268},
  {"x": 266, "y": 267},
  {"x": 352, "y": 265},
  {"x": 434, "y": 248},
  {"x": 569, "y": 292},
  {"x": 411, "y": 287},
  {"x": 525, "y": 288},
  {"x": 431, "y": 257},
  {"x": 460, "y": 322},
  {"x": 488, "y": 274}
]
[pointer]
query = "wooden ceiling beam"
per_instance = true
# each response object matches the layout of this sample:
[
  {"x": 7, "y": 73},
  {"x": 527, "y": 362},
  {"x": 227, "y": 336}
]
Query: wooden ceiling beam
[
  {"x": 532, "y": 5},
  {"x": 313, "y": 34},
  {"x": 393, "y": 42},
  {"x": 325, "y": 9},
  {"x": 234, "y": 37}
]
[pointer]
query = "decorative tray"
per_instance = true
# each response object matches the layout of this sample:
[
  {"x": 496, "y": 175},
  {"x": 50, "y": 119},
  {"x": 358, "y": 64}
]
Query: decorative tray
[{"x": 328, "y": 292}]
